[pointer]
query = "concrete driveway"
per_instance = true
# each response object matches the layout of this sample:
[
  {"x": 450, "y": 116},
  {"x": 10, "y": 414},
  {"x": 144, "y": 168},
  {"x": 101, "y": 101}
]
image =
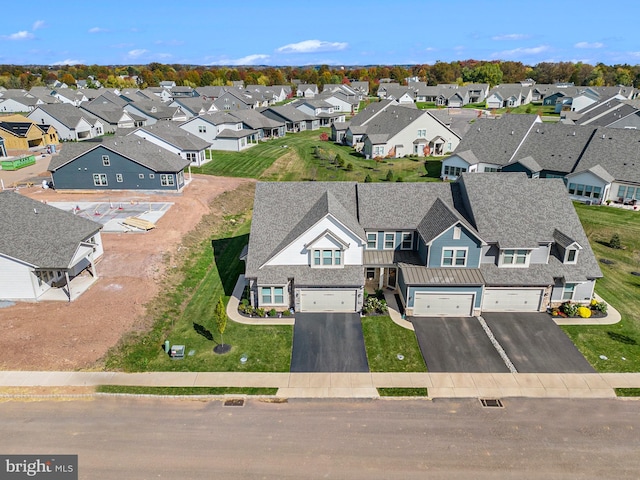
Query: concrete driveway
[
  {"x": 456, "y": 344},
  {"x": 535, "y": 344},
  {"x": 328, "y": 342}
]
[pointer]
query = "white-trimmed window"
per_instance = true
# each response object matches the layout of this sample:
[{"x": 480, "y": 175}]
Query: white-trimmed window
[
  {"x": 372, "y": 240},
  {"x": 568, "y": 291},
  {"x": 378, "y": 151},
  {"x": 192, "y": 157},
  {"x": 119, "y": 177},
  {"x": 514, "y": 257},
  {"x": 407, "y": 241},
  {"x": 327, "y": 258},
  {"x": 422, "y": 133},
  {"x": 571, "y": 255},
  {"x": 100, "y": 179},
  {"x": 272, "y": 295},
  {"x": 105, "y": 161},
  {"x": 453, "y": 171},
  {"x": 202, "y": 129},
  {"x": 389, "y": 240},
  {"x": 167, "y": 180},
  {"x": 454, "y": 257},
  {"x": 456, "y": 232}
]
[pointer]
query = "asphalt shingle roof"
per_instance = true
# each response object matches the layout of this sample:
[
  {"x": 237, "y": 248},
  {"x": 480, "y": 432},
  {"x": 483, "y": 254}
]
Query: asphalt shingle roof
[{"x": 46, "y": 239}]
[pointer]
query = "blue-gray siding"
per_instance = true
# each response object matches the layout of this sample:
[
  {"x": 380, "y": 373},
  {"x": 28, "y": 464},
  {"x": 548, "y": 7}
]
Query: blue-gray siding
[{"x": 446, "y": 240}]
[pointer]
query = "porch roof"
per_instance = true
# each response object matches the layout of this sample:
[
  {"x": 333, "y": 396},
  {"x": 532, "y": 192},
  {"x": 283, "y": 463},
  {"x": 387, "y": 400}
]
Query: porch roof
[
  {"x": 420, "y": 275},
  {"x": 305, "y": 276},
  {"x": 384, "y": 258}
]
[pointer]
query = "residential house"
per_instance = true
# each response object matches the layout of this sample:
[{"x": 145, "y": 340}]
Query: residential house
[
  {"x": 18, "y": 101},
  {"x": 295, "y": 120},
  {"x": 356, "y": 127},
  {"x": 112, "y": 116},
  {"x": 71, "y": 123},
  {"x": 509, "y": 95},
  {"x": 118, "y": 163},
  {"x": 22, "y": 133},
  {"x": 194, "y": 106},
  {"x": 613, "y": 113},
  {"x": 232, "y": 100},
  {"x": 153, "y": 112},
  {"x": 362, "y": 87},
  {"x": 222, "y": 130},
  {"x": 401, "y": 131},
  {"x": 43, "y": 248},
  {"x": 320, "y": 109},
  {"x": 306, "y": 90},
  {"x": 171, "y": 137},
  {"x": 342, "y": 102},
  {"x": 266, "y": 128},
  {"x": 488, "y": 153},
  {"x": 70, "y": 96},
  {"x": 446, "y": 249}
]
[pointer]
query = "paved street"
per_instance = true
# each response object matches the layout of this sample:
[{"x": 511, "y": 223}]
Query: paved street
[{"x": 146, "y": 438}]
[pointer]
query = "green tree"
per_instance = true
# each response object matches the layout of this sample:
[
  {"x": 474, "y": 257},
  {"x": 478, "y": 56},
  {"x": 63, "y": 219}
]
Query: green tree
[
  {"x": 389, "y": 176},
  {"x": 220, "y": 316},
  {"x": 368, "y": 179}
]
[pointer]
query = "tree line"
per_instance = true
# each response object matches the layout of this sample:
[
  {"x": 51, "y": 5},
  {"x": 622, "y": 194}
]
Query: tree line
[{"x": 466, "y": 71}]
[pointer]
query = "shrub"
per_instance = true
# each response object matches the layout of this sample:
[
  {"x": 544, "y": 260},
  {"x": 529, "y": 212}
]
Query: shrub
[
  {"x": 399, "y": 179},
  {"x": 349, "y": 167},
  {"x": 584, "y": 312},
  {"x": 389, "y": 176},
  {"x": 379, "y": 294},
  {"x": 260, "y": 312},
  {"x": 324, "y": 137},
  {"x": 374, "y": 305},
  {"x": 600, "y": 307},
  {"x": 368, "y": 179},
  {"x": 273, "y": 312},
  {"x": 286, "y": 313},
  {"x": 570, "y": 309},
  {"x": 615, "y": 241}
]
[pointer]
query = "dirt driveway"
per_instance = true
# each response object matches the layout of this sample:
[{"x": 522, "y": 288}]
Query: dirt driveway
[{"x": 76, "y": 335}]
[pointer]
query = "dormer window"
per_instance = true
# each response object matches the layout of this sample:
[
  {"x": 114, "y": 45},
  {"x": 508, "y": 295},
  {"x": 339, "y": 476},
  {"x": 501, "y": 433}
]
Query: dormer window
[
  {"x": 571, "y": 255},
  {"x": 327, "y": 258},
  {"x": 514, "y": 258}
]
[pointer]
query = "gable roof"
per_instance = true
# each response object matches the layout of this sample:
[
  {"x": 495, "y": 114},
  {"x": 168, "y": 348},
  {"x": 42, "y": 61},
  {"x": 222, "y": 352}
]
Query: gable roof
[
  {"x": 47, "y": 239},
  {"x": 617, "y": 150},
  {"x": 174, "y": 135},
  {"x": 67, "y": 114},
  {"x": 134, "y": 148}
]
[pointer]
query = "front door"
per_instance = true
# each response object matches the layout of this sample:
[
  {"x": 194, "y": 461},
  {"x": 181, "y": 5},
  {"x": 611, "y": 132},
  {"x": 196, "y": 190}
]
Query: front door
[{"x": 391, "y": 278}]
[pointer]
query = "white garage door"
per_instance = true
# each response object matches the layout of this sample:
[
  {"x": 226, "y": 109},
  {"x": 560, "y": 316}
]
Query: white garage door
[
  {"x": 429, "y": 304},
  {"x": 327, "y": 300},
  {"x": 512, "y": 299}
]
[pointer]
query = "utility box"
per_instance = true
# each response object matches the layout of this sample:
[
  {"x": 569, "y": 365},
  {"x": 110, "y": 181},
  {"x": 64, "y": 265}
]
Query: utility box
[{"x": 177, "y": 352}]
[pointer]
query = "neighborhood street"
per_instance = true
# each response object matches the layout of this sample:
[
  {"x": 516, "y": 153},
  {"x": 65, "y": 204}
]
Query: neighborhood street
[{"x": 146, "y": 438}]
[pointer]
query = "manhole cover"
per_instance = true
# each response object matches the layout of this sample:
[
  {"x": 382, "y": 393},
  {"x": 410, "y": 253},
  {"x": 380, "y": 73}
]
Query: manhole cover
[
  {"x": 491, "y": 402},
  {"x": 234, "y": 402}
]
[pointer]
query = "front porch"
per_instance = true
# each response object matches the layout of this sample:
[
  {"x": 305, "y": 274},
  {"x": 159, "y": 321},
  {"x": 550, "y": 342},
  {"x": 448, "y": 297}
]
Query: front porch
[{"x": 68, "y": 292}]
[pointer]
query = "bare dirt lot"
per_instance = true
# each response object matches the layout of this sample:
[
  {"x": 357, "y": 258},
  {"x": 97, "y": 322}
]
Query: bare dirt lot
[{"x": 76, "y": 335}]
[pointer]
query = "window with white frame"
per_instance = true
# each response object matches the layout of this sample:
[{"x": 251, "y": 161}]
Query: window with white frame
[
  {"x": 327, "y": 258},
  {"x": 166, "y": 180},
  {"x": 453, "y": 171},
  {"x": 202, "y": 129},
  {"x": 422, "y": 133},
  {"x": 515, "y": 257},
  {"x": 568, "y": 291},
  {"x": 407, "y": 241},
  {"x": 119, "y": 177},
  {"x": 584, "y": 190},
  {"x": 571, "y": 255},
  {"x": 192, "y": 157},
  {"x": 105, "y": 161},
  {"x": 372, "y": 240},
  {"x": 100, "y": 179},
  {"x": 378, "y": 150},
  {"x": 456, "y": 232},
  {"x": 454, "y": 257},
  {"x": 271, "y": 295},
  {"x": 389, "y": 240}
]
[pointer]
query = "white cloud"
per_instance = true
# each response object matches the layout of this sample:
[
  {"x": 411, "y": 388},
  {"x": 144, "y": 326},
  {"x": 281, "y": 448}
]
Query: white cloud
[
  {"x": 97, "y": 30},
  {"x": 248, "y": 60},
  {"x": 169, "y": 42},
  {"x": 68, "y": 61},
  {"x": 430, "y": 49},
  {"x": 136, "y": 52},
  {"x": 511, "y": 36},
  {"x": 310, "y": 46},
  {"x": 519, "y": 52},
  {"x": 22, "y": 35},
  {"x": 589, "y": 45},
  {"x": 38, "y": 24}
]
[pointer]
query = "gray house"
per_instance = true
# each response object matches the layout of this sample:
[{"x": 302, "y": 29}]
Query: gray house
[
  {"x": 118, "y": 163},
  {"x": 444, "y": 248}
]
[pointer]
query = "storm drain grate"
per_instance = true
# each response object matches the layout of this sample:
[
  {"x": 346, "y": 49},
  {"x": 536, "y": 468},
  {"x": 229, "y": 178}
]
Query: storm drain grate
[
  {"x": 491, "y": 402},
  {"x": 234, "y": 402}
]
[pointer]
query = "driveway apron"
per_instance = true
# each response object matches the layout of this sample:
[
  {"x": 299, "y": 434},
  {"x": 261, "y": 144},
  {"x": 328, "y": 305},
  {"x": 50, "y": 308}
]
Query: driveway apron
[
  {"x": 535, "y": 344},
  {"x": 328, "y": 342},
  {"x": 456, "y": 344}
]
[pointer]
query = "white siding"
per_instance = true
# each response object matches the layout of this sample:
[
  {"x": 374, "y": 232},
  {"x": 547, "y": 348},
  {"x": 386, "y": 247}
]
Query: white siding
[{"x": 17, "y": 281}]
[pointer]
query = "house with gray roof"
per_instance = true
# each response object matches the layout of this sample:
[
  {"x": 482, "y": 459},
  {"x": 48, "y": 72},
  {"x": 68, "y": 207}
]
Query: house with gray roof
[
  {"x": 153, "y": 111},
  {"x": 194, "y": 106},
  {"x": 118, "y": 163},
  {"x": 306, "y": 90},
  {"x": 170, "y": 136},
  {"x": 509, "y": 95},
  {"x": 265, "y": 127},
  {"x": 320, "y": 109},
  {"x": 18, "y": 101},
  {"x": 222, "y": 130},
  {"x": 295, "y": 120},
  {"x": 71, "y": 123},
  {"x": 44, "y": 248},
  {"x": 112, "y": 116},
  {"x": 444, "y": 248}
]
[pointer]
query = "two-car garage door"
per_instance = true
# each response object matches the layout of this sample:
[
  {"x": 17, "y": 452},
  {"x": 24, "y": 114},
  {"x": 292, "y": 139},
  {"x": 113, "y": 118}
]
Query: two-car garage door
[
  {"x": 430, "y": 304},
  {"x": 318, "y": 300},
  {"x": 512, "y": 299}
]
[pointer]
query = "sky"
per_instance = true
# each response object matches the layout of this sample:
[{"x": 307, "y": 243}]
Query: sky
[{"x": 297, "y": 33}]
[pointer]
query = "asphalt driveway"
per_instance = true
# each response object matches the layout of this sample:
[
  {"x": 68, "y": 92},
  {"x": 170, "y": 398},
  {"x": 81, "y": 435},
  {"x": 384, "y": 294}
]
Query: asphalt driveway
[
  {"x": 456, "y": 344},
  {"x": 328, "y": 342},
  {"x": 535, "y": 344}
]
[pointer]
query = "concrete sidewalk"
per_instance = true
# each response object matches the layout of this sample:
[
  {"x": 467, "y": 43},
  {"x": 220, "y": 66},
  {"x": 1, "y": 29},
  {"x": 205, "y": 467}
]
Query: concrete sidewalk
[{"x": 351, "y": 385}]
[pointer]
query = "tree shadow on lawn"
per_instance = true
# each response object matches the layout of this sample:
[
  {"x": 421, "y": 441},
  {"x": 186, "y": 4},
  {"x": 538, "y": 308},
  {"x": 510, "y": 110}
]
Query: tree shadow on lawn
[
  {"x": 226, "y": 254},
  {"x": 201, "y": 330}
]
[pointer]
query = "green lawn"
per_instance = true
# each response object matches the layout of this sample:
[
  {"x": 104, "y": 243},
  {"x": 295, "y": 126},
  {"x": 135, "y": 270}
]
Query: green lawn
[
  {"x": 303, "y": 156},
  {"x": 384, "y": 341},
  {"x": 403, "y": 392},
  {"x": 185, "y": 390},
  {"x": 543, "y": 110},
  {"x": 620, "y": 343}
]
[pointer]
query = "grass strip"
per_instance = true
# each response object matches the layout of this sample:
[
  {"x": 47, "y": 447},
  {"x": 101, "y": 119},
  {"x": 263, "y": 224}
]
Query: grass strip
[{"x": 136, "y": 390}]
